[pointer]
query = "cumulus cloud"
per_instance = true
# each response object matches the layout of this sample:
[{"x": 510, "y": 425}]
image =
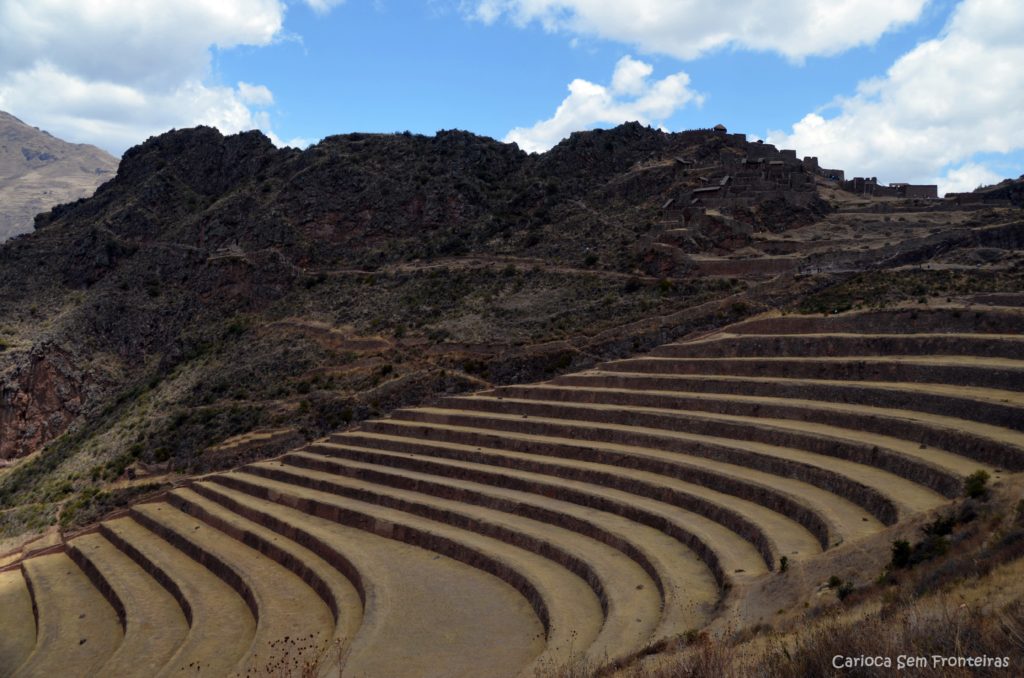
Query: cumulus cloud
[
  {"x": 690, "y": 28},
  {"x": 968, "y": 177},
  {"x": 935, "y": 108},
  {"x": 115, "y": 72},
  {"x": 259, "y": 95},
  {"x": 631, "y": 96}
]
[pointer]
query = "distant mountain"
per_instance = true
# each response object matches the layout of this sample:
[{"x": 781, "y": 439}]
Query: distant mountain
[{"x": 38, "y": 171}]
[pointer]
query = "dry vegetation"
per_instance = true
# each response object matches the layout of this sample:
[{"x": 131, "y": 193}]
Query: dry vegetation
[{"x": 965, "y": 599}]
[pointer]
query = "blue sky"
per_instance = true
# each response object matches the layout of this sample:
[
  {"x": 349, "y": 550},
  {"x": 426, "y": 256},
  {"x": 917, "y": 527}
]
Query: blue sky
[
  {"x": 918, "y": 90},
  {"x": 385, "y": 66}
]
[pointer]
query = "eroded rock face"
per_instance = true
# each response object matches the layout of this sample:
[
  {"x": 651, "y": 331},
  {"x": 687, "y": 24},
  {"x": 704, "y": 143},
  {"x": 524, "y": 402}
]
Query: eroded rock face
[{"x": 40, "y": 394}]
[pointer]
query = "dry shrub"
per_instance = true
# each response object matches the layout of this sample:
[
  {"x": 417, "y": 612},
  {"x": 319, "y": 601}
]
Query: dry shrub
[
  {"x": 922, "y": 614},
  {"x": 578, "y": 668},
  {"x": 940, "y": 625}
]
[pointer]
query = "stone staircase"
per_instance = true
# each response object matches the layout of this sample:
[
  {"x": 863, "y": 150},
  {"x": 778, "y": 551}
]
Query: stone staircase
[{"x": 520, "y": 528}]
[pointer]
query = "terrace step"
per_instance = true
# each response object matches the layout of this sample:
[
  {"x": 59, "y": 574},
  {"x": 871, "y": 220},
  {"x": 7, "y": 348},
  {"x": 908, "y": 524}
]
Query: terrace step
[
  {"x": 831, "y": 518},
  {"x": 730, "y": 345},
  {"x": 910, "y": 321},
  {"x": 154, "y": 625},
  {"x": 17, "y": 623},
  {"x": 994, "y": 407},
  {"x": 334, "y": 588},
  {"x": 732, "y": 534},
  {"x": 567, "y": 606},
  {"x": 689, "y": 531},
  {"x": 509, "y": 532},
  {"x": 972, "y": 371},
  {"x": 818, "y": 453},
  {"x": 221, "y": 626},
  {"x": 902, "y": 431},
  {"x": 630, "y": 600},
  {"x": 76, "y": 626},
  {"x": 292, "y": 622},
  {"x": 465, "y": 619},
  {"x": 686, "y": 591},
  {"x": 715, "y": 462}
]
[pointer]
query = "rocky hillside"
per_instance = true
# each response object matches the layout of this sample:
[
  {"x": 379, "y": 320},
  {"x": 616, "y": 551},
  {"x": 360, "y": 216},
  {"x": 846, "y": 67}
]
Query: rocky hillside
[
  {"x": 221, "y": 300},
  {"x": 38, "y": 171}
]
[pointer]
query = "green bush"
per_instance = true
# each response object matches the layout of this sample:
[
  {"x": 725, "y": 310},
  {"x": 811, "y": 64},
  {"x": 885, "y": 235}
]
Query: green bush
[{"x": 975, "y": 485}]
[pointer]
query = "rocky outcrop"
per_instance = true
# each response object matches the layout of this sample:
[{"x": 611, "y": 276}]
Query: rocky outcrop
[{"x": 41, "y": 393}]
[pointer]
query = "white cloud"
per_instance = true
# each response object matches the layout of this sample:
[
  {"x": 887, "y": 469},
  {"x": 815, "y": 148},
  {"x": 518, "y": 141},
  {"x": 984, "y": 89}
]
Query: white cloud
[
  {"x": 937, "y": 106},
  {"x": 323, "y": 6},
  {"x": 630, "y": 76},
  {"x": 113, "y": 72},
  {"x": 118, "y": 115},
  {"x": 631, "y": 96},
  {"x": 968, "y": 177},
  {"x": 257, "y": 95},
  {"x": 689, "y": 28}
]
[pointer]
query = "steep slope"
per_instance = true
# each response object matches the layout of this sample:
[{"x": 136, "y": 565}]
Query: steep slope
[
  {"x": 221, "y": 300},
  {"x": 222, "y": 285},
  {"x": 38, "y": 171}
]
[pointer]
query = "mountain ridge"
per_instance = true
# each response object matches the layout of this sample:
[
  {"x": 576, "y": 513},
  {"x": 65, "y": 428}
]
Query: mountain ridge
[{"x": 219, "y": 286}]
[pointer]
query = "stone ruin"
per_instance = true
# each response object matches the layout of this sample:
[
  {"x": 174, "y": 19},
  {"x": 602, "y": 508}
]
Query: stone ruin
[
  {"x": 870, "y": 186},
  {"x": 731, "y": 181}
]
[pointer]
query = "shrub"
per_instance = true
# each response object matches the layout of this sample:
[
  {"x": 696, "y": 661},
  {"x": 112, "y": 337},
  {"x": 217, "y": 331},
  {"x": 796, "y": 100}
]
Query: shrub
[
  {"x": 975, "y": 485},
  {"x": 940, "y": 527},
  {"x": 235, "y": 328},
  {"x": 930, "y": 547},
  {"x": 901, "y": 553}
]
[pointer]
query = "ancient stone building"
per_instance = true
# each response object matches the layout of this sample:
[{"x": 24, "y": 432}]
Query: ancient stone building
[{"x": 870, "y": 186}]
